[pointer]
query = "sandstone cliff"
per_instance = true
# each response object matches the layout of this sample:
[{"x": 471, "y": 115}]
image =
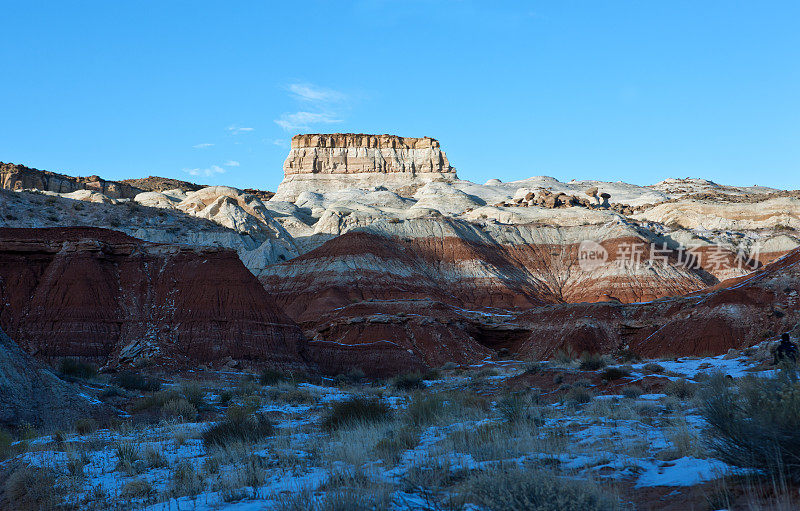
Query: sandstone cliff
[
  {"x": 103, "y": 295},
  {"x": 20, "y": 177},
  {"x": 319, "y": 162}
]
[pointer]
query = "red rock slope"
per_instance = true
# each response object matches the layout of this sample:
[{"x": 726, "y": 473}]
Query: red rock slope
[
  {"x": 102, "y": 294},
  {"x": 733, "y": 314}
]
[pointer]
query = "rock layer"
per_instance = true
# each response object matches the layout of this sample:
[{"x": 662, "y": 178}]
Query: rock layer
[
  {"x": 20, "y": 177},
  {"x": 106, "y": 296},
  {"x": 318, "y": 162}
]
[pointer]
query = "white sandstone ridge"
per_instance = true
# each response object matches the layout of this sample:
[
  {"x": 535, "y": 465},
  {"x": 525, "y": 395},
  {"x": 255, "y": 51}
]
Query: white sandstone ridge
[{"x": 337, "y": 161}]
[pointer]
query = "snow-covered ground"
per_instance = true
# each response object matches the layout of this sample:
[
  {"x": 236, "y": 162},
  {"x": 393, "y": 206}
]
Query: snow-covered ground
[{"x": 639, "y": 431}]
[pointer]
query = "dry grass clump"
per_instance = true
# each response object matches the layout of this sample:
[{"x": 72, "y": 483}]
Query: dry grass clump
[
  {"x": 396, "y": 441},
  {"x": 128, "y": 458},
  {"x": 271, "y": 377},
  {"x": 77, "y": 368},
  {"x": 592, "y": 361},
  {"x": 652, "y": 367},
  {"x": 409, "y": 381},
  {"x": 154, "y": 458},
  {"x": 85, "y": 426},
  {"x": 756, "y": 422},
  {"x": 510, "y": 488},
  {"x": 180, "y": 410},
  {"x": 682, "y": 389},
  {"x": 239, "y": 425},
  {"x": 356, "y": 409},
  {"x": 33, "y": 488},
  {"x": 136, "y": 489},
  {"x": 615, "y": 373},
  {"x": 424, "y": 409},
  {"x": 5, "y": 444},
  {"x": 185, "y": 480},
  {"x": 136, "y": 381}
]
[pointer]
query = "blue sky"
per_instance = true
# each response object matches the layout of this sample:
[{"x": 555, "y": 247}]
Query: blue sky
[{"x": 212, "y": 91}]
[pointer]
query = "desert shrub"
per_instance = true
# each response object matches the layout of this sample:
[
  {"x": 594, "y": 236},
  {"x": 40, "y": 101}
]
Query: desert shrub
[
  {"x": 513, "y": 408},
  {"x": 32, "y": 488},
  {"x": 755, "y": 423},
  {"x": 179, "y": 409},
  {"x": 355, "y": 409},
  {"x": 632, "y": 391},
  {"x": 449, "y": 366},
  {"x": 239, "y": 425},
  {"x": 225, "y": 397},
  {"x": 5, "y": 444},
  {"x": 111, "y": 391},
  {"x": 652, "y": 367},
  {"x": 194, "y": 394},
  {"x": 271, "y": 377},
  {"x": 185, "y": 480},
  {"x": 424, "y": 409},
  {"x": 615, "y": 373},
  {"x": 681, "y": 388},
  {"x": 77, "y": 368},
  {"x": 577, "y": 395},
  {"x": 136, "y": 381},
  {"x": 409, "y": 381},
  {"x": 136, "y": 489},
  {"x": 564, "y": 355},
  {"x": 85, "y": 426},
  {"x": 128, "y": 457},
  {"x": 154, "y": 458},
  {"x": 506, "y": 488},
  {"x": 155, "y": 401},
  {"x": 432, "y": 374},
  {"x": 592, "y": 361},
  {"x": 390, "y": 447}
]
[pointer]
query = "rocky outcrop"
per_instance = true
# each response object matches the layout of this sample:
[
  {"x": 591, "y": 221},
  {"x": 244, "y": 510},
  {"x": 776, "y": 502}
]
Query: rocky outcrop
[
  {"x": 160, "y": 184},
  {"x": 20, "y": 177},
  {"x": 327, "y": 162},
  {"x": 30, "y": 393},
  {"x": 736, "y": 314},
  {"x": 468, "y": 266},
  {"x": 106, "y": 296}
]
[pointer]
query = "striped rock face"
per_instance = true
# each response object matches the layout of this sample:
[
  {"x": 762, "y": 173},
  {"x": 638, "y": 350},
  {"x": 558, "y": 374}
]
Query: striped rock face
[
  {"x": 102, "y": 295},
  {"x": 327, "y": 162}
]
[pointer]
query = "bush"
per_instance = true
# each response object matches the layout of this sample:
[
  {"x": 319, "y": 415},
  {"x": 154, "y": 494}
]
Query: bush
[
  {"x": 77, "y": 368},
  {"x": 578, "y": 395},
  {"x": 755, "y": 423},
  {"x": 511, "y": 488},
  {"x": 179, "y": 409},
  {"x": 652, "y": 367},
  {"x": 353, "y": 410},
  {"x": 592, "y": 361},
  {"x": 194, "y": 394},
  {"x": 271, "y": 377},
  {"x": 136, "y": 489},
  {"x": 395, "y": 443},
  {"x": 5, "y": 444},
  {"x": 185, "y": 480},
  {"x": 632, "y": 391},
  {"x": 128, "y": 458},
  {"x": 32, "y": 488},
  {"x": 410, "y": 381},
  {"x": 424, "y": 409},
  {"x": 85, "y": 426},
  {"x": 240, "y": 425},
  {"x": 135, "y": 381},
  {"x": 615, "y": 373},
  {"x": 682, "y": 388}
]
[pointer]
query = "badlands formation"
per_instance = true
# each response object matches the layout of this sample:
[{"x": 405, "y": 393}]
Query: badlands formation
[{"x": 374, "y": 255}]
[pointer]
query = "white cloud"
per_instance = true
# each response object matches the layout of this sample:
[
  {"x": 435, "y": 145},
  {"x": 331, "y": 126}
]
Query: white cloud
[
  {"x": 302, "y": 121},
  {"x": 235, "y": 130},
  {"x": 231, "y": 163},
  {"x": 280, "y": 142},
  {"x": 202, "y": 146},
  {"x": 312, "y": 93},
  {"x": 212, "y": 170}
]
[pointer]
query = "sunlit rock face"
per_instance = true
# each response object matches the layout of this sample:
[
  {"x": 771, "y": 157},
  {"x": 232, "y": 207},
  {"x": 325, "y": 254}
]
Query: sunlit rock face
[{"x": 328, "y": 162}]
